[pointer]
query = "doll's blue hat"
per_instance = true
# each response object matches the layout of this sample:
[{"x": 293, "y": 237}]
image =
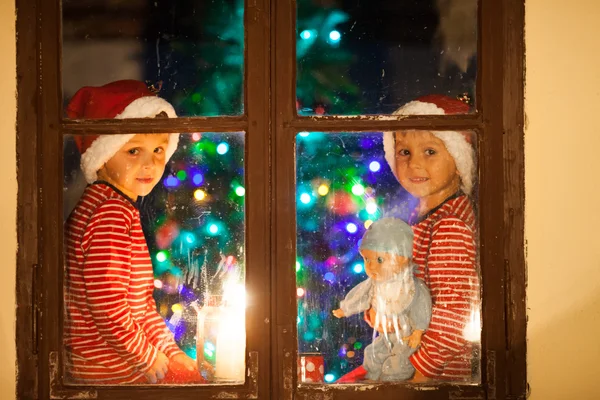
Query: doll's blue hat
[{"x": 389, "y": 235}]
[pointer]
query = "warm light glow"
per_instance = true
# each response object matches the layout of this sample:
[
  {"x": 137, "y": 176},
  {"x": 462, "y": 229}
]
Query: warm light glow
[
  {"x": 199, "y": 194},
  {"x": 472, "y": 331},
  {"x": 323, "y": 190},
  {"x": 368, "y": 223},
  {"x": 177, "y": 308},
  {"x": 300, "y": 292},
  {"x": 158, "y": 284}
]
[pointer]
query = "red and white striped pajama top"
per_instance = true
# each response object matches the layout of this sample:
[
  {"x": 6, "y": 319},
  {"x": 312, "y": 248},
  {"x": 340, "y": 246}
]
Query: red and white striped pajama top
[
  {"x": 444, "y": 250},
  {"x": 112, "y": 330}
]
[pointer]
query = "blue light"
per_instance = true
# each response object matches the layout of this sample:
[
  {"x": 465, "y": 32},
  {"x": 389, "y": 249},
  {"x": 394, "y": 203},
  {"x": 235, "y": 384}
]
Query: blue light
[
  {"x": 351, "y": 228},
  {"x": 358, "y": 268},
  {"x": 222, "y": 148},
  {"x": 198, "y": 179},
  {"x": 374, "y": 166},
  {"x": 190, "y": 238},
  {"x": 335, "y": 36},
  {"x": 329, "y": 277},
  {"x": 305, "y": 34},
  {"x": 213, "y": 229},
  {"x": 171, "y": 181},
  {"x": 305, "y": 198},
  {"x": 329, "y": 378},
  {"x": 304, "y": 134}
]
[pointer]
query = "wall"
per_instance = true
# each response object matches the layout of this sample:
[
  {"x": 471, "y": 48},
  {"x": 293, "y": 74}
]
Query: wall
[
  {"x": 8, "y": 200},
  {"x": 562, "y": 189},
  {"x": 562, "y": 186}
]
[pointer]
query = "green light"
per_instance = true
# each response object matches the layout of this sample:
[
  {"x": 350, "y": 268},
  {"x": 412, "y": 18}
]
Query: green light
[
  {"x": 213, "y": 228},
  {"x": 357, "y": 345},
  {"x": 161, "y": 256},
  {"x": 358, "y": 189},
  {"x": 196, "y": 97},
  {"x": 181, "y": 175},
  {"x": 240, "y": 191},
  {"x": 298, "y": 266}
]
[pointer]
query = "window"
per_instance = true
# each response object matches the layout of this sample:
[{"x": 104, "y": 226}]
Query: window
[{"x": 283, "y": 108}]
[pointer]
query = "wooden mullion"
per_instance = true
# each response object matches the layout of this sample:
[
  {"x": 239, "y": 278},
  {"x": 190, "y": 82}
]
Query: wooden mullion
[
  {"x": 257, "y": 207},
  {"x": 514, "y": 178},
  {"x": 283, "y": 239},
  {"x": 27, "y": 202},
  {"x": 50, "y": 185},
  {"x": 158, "y": 125},
  {"x": 380, "y": 123},
  {"x": 491, "y": 195}
]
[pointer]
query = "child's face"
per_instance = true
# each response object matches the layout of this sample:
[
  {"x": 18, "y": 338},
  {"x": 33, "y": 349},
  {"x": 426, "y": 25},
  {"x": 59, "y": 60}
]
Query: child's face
[
  {"x": 423, "y": 165},
  {"x": 381, "y": 266},
  {"x": 138, "y": 166}
]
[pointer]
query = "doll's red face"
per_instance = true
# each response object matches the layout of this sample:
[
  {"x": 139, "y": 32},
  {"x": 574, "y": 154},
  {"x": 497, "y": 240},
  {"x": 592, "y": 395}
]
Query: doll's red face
[
  {"x": 138, "y": 166},
  {"x": 381, "y": 266},
  {"x": 424, "y": 166}
]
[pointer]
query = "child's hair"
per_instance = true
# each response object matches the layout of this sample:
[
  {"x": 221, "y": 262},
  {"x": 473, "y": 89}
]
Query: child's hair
[
  {"x": 389, "y": 235},
  {"x": 460, "y": 145}
]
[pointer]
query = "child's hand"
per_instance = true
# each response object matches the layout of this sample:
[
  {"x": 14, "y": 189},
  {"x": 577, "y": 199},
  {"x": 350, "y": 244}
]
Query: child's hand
[
  {"x": 159, "y": 368},
  {"x": 419, "y": 377},
  {"x": 339, "y": 313},
  {"x": 185, "y": 361},
  {"x": 414, "y": 339}
]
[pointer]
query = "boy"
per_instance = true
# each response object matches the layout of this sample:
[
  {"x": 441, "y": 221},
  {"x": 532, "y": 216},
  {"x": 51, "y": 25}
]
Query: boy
[
  {"x": 438, "y": 169},
  {"x": 113, "y": 333}
]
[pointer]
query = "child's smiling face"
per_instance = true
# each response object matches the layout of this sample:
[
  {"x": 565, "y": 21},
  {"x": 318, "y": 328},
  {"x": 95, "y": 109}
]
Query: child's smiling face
[
  {"x": 138, "y": 166},
  {"x": 423, "y": 165},
  {"x": 381, "y": 266}
]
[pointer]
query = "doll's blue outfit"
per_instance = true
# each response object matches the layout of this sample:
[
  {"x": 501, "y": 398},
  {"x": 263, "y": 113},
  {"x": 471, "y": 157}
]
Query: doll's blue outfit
[{"x": 404, "y": 300}]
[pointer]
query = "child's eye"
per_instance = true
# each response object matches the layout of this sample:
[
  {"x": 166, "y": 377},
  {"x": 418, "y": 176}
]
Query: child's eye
[
  {"x": 430, "y": 152},
  {"x": 380, "y": 260},
  {"x": 159, "y": 150},
  {"x": 403, "y": 152},
  {"x": 133, "y": 151}
]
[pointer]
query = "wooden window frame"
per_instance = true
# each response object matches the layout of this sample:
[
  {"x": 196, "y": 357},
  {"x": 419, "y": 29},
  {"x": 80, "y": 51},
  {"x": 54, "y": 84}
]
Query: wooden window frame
[{"x": 271, "y": 124}]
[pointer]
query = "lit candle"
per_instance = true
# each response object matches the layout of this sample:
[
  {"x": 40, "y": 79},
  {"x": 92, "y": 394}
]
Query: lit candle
[{"x": 231, "y": 345}]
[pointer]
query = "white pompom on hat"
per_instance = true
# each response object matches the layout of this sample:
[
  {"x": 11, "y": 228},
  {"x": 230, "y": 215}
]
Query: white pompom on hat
[
  {"x": 458, "y": 144},
  {"x": 120, "y": 100}
]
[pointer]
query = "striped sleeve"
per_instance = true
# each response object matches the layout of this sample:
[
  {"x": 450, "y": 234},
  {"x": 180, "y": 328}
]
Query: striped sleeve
[
  {"x": 158, "y": 333},
  {"x": 453, "y": 282},
  {"x": 106, "y": 274}
]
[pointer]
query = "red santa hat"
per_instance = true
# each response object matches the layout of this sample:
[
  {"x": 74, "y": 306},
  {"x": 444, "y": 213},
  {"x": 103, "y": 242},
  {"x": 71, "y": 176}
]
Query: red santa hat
[
  {"x": 120, "y": 99},
  {"x": 458, "y": 144}
]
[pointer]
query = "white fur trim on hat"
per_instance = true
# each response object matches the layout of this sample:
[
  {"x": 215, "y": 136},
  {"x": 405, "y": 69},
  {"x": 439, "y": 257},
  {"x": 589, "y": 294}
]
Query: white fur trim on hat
[
  {"x": 105, "y": 146},
  {"x": 456, "y": 144}
]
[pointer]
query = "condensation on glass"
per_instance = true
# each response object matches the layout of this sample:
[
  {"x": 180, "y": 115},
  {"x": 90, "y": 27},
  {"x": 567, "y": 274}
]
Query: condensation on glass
[
  {"x": 160, "y": 273},
  {"x": 195, "y": 48},
  {"x": 389, "y": 236},
  {"x": 369, "y": 57}
]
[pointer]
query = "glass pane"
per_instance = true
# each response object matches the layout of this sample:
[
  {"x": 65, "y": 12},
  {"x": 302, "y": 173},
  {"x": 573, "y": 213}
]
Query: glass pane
[
  {"x": 403, "y": 256},
  {"x": 154, "y": 272},
  {"x": 195, "y": 48},
  {"x": 369, "y": 57}
]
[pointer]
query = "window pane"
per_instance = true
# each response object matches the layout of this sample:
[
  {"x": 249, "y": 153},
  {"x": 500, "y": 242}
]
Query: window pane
[
  {"x": 161, "y": 273},
  {"x": 368, "y": 57},
  {"x": 196, "y": 48},
  {"x": 403, "y": 254}
]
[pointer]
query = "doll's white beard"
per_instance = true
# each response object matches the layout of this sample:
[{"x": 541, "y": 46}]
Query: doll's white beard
[{"x": 394, "y": 295}]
